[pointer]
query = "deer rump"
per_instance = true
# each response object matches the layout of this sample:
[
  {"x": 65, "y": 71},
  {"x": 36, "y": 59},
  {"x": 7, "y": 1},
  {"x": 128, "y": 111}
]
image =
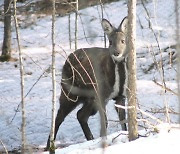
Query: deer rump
[{"x": 91, "y": 72}]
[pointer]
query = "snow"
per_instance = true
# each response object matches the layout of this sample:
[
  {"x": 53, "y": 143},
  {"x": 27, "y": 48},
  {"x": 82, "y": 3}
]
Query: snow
[
  {"x": 163, "y": 142},
  {"x": 36, "y": 47}
]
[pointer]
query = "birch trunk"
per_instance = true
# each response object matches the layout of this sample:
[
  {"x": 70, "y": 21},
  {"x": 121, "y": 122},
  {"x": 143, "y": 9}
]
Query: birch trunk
[
  {"x": 23, "y": 125},
  {"x": 52, "y": 141}
]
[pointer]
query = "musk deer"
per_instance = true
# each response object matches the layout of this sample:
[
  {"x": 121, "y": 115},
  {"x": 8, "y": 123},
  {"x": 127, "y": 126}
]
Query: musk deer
[{"x": 93, "y": 75}]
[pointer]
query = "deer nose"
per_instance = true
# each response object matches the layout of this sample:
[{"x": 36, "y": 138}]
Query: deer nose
[{"x": 116, "y": 53}]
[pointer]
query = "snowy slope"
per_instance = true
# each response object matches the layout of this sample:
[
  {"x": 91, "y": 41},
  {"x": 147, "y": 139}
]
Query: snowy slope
[
  {"x": 166, "y": 141},
  {"x": 36, "y": 46}
]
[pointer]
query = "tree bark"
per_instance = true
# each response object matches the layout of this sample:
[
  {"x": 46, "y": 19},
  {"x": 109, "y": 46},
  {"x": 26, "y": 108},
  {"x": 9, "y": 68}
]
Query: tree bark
[
  {"x": 23, "y": 125},
  {"x": 76, "y": 24},
  {"x": 102, "y": 15},
  {"x": 69, "y": 28},
  {"x": 177, "y": 5},
  {"x": 52, "y": 142},
  {"x": 131, "y": 46},
  {"x": 6, "y": 48}
]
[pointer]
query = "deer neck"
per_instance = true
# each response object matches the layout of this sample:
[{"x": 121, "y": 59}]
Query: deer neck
[
  {"x": 115, "y": 91},
  {"x": 120, "y": 80}
]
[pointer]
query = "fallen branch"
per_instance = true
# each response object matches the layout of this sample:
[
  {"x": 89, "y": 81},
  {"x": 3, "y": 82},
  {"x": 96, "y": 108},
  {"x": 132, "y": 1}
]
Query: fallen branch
[
  {"x": 162, "y": 110},
  {"x": 118, "y": 136},
  {"x": 143, "y": 112}
]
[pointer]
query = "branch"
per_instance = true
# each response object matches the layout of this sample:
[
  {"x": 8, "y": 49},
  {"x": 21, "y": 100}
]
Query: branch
[
  {"x": 165, "y": 88},
  {"x": 27, "y": 94},
  {"x": 143, "y": 112},
  {"x": 4, "y": 146}
]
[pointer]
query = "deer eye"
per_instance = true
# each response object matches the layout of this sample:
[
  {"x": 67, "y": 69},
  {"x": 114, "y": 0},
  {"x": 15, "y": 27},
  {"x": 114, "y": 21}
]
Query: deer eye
[
  {"x": 123, "y": 41},
  {"x": 110, "y": 42}
]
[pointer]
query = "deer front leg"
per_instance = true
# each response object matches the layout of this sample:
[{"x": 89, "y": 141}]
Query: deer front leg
[{"x": 120, "y": 100}]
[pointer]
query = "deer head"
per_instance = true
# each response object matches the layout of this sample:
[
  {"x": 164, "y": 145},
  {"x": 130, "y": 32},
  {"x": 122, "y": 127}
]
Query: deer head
[{"x": 117, "y": 39}]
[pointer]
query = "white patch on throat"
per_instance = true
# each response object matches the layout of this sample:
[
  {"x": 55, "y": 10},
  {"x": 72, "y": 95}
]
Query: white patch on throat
[
  {"x": 126, "y": 80},
  {"x": 116, "y": 84}
]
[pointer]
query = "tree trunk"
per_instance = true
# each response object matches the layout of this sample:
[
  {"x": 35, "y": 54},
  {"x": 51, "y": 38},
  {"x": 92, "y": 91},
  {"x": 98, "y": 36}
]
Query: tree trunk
[
  {"x": 132, "y": 121},
  {"x": 23, "y": 125},
  {"x": 76, "y": 24},
  {"x": 69, "y": 28},
  {"x": 52, "y": 142},
  {"x": 6, "y": 48},
  {"x": 177, "y": 5},
  {"x": 102, "y": 15}
]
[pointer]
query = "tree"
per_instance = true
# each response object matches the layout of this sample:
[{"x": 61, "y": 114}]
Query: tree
[
  {"x": 102, "y": 15},
  {"x": 6, "y": 48},
  {"x": 132, "y": 121},
  {"x": 76, "y": 23},
  {"x": 23, "y": 125},
  {"x": 177, "y": 5},
  {"x": 52, "y": 142}
]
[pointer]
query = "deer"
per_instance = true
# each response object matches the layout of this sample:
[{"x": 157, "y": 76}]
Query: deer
[{"x": 92, "y": 77}]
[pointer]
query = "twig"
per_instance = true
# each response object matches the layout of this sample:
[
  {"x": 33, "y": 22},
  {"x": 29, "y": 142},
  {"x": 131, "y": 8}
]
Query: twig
[
  {"x": 27, "y": 95},
  {"x": 6, "y": 151},
  {"x": 161, "y": 68},
  {"x": 162, "y": 110},
  {"x": 140, "y": 112},
  {"x": 118, "y": 136},
  {"x": 130, "y": 107},
  {"x": 147, "y": 123},
  {"x": 166, "y": 88}
]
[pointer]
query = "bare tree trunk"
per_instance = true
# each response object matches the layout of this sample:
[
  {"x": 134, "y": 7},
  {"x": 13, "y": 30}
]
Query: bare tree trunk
[
  {"x": 52, "y": 142},
  {"x": 23, "y": 126},
  {"x": 76, "y": 23},
  {"x": 132, "y": 121},
  {"x": 6, "y": 48},
  {"x": 69, "y": 28},
  {"x": 102, "y": 15},
  {"x": 177, "y": 5}
]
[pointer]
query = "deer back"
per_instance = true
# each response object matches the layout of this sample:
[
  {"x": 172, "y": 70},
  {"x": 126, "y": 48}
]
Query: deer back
[{"x": 87, "y": 68}]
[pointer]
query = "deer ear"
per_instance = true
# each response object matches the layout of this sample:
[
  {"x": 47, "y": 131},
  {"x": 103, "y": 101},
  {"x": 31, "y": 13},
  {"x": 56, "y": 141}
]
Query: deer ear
[
  {"x": 107, "y": 27},
  {"x": 123, "y": 26}
]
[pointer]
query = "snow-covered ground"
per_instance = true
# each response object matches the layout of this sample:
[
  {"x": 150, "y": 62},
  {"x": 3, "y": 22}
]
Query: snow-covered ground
[
  {"x": 36, "y": 47},
  {"x": 166, "y": 141}
]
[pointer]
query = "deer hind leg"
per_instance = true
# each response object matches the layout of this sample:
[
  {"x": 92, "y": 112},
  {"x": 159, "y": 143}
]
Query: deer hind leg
[
  {"x": 121, "y": 112},
  {"x": 65, "y": 108},
  {"x": 83, "y": 115}
]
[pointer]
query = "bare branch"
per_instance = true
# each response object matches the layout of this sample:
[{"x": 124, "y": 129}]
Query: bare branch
[
  {"x": 6, "y": 151},
  {"x": 166, "y": 88},
  {"x": 143, "y": 112}
]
